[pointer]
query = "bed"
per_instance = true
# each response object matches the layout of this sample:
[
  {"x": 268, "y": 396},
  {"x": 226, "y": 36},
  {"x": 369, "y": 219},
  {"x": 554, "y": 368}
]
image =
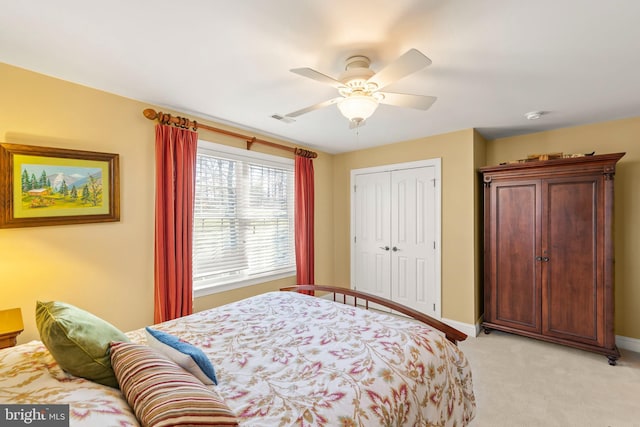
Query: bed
[{"x": 284, "y": 359}]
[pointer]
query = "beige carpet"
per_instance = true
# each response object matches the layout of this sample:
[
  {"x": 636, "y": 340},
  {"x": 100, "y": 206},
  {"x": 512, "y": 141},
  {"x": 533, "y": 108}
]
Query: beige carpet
[{"x": 525, "y": 382}]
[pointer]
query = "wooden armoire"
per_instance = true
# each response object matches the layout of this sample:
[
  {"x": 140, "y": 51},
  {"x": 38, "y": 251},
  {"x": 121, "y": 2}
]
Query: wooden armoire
[{"x": 548, "y": 258}]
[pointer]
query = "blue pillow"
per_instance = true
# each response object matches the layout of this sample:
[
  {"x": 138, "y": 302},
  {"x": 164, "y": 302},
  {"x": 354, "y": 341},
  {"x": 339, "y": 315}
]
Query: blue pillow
[{"x": 189, "y": 357}]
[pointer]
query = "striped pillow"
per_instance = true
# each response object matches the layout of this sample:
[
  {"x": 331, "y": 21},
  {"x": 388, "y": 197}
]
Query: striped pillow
[{"x": 163, "y": 394}]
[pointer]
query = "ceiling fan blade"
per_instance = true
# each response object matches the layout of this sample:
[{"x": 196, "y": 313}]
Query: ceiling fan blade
[
  {"x": 314, "y": 107},
  {"x": 419, "y": 102},
  {"x": 411, "y": 61},
  {"x": 318, "y": 76}
]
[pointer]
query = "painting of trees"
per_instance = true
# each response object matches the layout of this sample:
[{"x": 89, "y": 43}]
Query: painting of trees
[{"x": 55, "y": 186}]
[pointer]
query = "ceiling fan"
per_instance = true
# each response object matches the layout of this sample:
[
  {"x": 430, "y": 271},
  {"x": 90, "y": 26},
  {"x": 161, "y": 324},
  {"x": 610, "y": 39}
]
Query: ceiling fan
[{"x": 360, "y": 88}]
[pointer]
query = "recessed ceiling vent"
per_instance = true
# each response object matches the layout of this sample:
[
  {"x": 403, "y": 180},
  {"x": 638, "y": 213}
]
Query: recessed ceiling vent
[
  {"x": 283, "y": 118},
  {"x": 534, "y": 115}
]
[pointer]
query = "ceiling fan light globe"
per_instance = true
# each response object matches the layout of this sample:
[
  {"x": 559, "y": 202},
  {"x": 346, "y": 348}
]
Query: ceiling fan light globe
[{"x": 357, "y": 108}]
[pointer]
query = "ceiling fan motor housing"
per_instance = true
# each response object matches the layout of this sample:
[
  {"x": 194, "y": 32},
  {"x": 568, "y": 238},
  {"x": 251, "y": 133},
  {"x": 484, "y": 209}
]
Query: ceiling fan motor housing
[{"x": 356, "y": 73}]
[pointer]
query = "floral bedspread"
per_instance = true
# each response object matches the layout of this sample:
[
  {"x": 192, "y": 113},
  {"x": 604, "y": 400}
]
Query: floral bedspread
[
  {"x": 30, "y": 375},
  {"x": 284, "y": 359}
]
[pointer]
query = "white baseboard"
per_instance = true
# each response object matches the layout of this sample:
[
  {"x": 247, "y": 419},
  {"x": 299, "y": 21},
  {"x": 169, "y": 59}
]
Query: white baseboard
[
  {"x": 467, "y": 328},
  {"x": 631, "y": 344}
]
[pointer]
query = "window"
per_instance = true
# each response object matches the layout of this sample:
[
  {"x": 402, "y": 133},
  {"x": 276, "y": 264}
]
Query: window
[{"x": 243, "y": 220}]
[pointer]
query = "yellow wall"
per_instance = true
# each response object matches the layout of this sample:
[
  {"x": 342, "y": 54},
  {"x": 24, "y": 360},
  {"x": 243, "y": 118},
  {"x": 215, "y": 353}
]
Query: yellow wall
[
  {"x": 458, "y": 179},
  {"x": 104, "y": 268},
  {"x": 610, "y": 137},
  {"x": 479, "y": 160}
]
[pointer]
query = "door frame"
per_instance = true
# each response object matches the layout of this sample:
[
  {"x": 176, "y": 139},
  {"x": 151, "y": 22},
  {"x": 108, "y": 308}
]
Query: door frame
[{"x": 436, "y": 164}]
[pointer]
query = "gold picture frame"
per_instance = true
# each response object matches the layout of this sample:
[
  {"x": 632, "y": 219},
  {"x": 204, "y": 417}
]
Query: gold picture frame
[{"x": 42, "y": 186}]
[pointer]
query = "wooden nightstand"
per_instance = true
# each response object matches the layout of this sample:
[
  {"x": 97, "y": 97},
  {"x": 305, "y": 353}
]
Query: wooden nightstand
[
  {"x": 8, "y": 340},
  {"x": 10, "y": 326}
]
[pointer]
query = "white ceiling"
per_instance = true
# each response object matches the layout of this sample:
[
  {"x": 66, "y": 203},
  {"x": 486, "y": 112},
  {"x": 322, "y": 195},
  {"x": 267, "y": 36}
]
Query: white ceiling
[{"x": 229, "y": 61}]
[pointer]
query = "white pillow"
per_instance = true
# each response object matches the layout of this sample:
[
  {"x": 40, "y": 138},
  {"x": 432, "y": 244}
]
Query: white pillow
[{"x": 189, "y": 357}]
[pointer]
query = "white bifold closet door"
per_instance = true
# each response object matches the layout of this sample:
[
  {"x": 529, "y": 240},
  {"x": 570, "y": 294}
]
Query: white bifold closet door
[{"x": 396, "y": 239}]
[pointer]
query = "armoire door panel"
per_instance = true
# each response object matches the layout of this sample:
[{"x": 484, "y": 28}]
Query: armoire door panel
[
  {"x": 573, "y": 288},
  {"x": 516, "y": 273}
]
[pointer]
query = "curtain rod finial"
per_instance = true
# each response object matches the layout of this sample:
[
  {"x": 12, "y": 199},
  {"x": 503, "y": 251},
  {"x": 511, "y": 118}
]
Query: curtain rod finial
[{"x": 150, "y": 114}]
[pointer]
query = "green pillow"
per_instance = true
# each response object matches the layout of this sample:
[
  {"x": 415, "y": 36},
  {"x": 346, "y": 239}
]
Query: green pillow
[{"x": 78, "y": 340}]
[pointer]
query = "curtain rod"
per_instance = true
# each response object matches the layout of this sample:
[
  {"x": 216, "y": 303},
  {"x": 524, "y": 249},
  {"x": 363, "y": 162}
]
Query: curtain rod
[{"x": 165, "y": 119}]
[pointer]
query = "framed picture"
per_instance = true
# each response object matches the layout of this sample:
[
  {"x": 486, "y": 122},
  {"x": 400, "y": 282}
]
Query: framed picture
[{"x": 54, "y": 186}]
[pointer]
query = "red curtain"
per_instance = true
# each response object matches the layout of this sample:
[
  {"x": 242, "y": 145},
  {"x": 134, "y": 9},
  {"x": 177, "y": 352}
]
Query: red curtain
[
  {"x": 304, "y": 189},
  {"x": 176, "y": 151}
]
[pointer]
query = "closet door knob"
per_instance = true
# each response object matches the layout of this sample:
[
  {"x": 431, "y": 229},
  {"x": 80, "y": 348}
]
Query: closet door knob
[
  {"x": 386, "y": 248},
  {"x": 394, "y": 249}
]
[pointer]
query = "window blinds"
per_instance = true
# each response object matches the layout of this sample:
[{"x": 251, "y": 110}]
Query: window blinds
[{"x": 243, "y": 219}]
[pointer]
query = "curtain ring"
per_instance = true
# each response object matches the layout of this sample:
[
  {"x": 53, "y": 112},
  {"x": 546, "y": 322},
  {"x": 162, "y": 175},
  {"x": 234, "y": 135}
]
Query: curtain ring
[{"x": 303, "y": 153}]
